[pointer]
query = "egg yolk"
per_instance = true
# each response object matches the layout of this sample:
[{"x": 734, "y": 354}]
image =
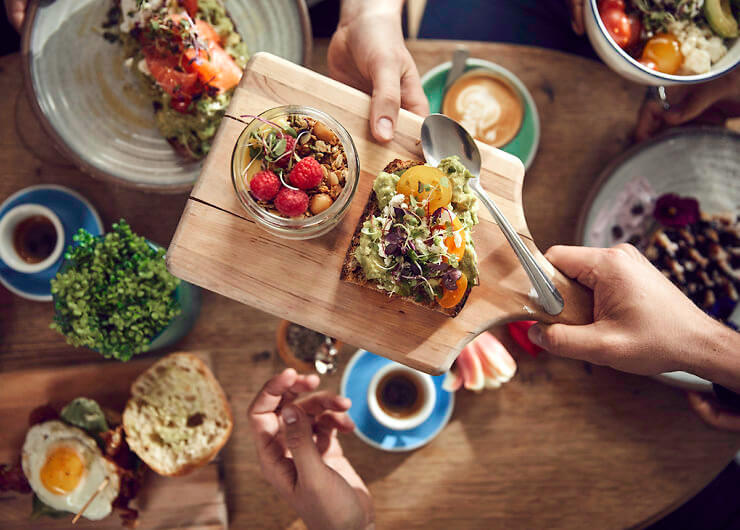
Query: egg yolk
[{"x": 62, "y": 470}]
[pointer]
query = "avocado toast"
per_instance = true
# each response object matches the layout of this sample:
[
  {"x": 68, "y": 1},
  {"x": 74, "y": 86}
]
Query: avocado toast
[
  {"x": 413, "y": 241},
  {"x": 188, "y": 58}
]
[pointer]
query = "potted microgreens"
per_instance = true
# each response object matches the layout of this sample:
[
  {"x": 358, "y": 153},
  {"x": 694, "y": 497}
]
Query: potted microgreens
[{"x": 113, "y": 294}]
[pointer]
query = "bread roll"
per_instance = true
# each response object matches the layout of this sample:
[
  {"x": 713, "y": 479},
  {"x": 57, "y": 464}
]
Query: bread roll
[{"x": 178, "y": 417}]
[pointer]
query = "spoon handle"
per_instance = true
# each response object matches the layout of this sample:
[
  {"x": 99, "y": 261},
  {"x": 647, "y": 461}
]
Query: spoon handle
[{"x": 547, "y": 294}]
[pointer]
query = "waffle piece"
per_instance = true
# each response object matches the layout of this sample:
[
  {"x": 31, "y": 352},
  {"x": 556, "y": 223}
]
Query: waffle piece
[{"x": 703, "y": 260}]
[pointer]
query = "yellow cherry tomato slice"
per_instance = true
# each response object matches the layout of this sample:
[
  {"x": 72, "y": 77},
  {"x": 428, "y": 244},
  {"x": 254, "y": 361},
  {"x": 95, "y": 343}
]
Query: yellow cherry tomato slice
[
  {"x": 448, "y": 218},
  {"x": 452, "y": 298},
  {"x": 426, "y": 183},
  {"x": 663, "y": 53}
]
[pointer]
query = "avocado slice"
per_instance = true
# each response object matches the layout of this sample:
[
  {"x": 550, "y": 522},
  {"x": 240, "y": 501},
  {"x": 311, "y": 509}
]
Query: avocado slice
[{"x": 719, "y": 16}]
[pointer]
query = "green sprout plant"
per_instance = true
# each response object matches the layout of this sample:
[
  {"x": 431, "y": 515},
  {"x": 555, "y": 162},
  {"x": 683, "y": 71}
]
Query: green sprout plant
[{"x": 114, "y": 293}]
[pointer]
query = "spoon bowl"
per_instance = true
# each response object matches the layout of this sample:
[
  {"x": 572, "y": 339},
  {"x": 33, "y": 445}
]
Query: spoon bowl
[{"x": 441, "y": 137}]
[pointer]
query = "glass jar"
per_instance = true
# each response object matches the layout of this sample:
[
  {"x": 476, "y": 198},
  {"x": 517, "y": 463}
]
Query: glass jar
[{"x": 297, "y": 227}]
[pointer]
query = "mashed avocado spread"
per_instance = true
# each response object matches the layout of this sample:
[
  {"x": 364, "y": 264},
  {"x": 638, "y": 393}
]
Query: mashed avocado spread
[{"x": 408, "y": 252}]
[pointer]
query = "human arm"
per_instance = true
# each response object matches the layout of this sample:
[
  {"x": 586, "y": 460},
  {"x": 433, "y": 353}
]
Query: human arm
[
  {"x": 642, "y": 323},
  {"x": 368, "y": 52},
  {"x": 16, "y": 10},
  {"x": 708, "y": 103},
  {"x": 299, "y": 453}
]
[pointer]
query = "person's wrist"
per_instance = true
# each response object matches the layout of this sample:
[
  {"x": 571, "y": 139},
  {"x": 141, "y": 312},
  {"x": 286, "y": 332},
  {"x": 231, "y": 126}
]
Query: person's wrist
[
  {"x": 712, "y": 351},
  {"x": 352, "y": 9}
]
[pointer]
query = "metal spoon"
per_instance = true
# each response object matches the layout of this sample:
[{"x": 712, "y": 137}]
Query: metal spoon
[
  {"x": 442, "y": 137},
  {"x": 459, "y": 60}
]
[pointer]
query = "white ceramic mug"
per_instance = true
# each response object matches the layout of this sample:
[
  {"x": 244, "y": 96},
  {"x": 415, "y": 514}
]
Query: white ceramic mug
[
  {"x": 8, "y": 224},
  {"x": 423, "y": 380}
]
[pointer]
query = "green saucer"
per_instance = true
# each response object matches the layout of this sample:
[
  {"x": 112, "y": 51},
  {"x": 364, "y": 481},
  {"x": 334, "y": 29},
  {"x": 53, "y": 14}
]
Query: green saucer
[{"x": 524, "y": 144}]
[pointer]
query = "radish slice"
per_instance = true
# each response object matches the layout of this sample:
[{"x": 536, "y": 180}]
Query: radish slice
[
  {"x": 471, "y": 369},
  {"x": 496, "y": 361},
  {"x": 491, "y": 382},
  {"x": 453, "y": 380}
]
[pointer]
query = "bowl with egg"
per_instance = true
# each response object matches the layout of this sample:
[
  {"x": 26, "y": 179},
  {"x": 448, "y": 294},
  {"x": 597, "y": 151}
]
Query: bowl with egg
[
  {"x": 665, "y": 42},
  {"x": 491, "y": 103}
]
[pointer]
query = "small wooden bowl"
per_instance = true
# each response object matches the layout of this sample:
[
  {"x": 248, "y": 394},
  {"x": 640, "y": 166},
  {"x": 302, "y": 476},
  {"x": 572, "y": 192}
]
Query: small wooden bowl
[{"x": 287, "y": 354}]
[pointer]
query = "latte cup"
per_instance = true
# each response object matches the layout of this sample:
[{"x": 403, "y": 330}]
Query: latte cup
[
  {"x": 8, "y": 225},
  {"x": 426, "y": 394}
]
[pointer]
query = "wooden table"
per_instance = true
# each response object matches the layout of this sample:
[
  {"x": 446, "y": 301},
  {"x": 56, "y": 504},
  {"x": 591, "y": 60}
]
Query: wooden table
[{"x": 564, "y": 445}]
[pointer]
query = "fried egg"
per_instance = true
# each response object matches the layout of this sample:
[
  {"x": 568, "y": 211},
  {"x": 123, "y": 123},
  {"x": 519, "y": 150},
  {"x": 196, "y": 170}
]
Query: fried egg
[{"x": 65, "y": 466}]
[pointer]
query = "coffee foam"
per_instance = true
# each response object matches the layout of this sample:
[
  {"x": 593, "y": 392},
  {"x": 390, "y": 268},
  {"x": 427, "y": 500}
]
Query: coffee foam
[{"x": 488, "y": 108}]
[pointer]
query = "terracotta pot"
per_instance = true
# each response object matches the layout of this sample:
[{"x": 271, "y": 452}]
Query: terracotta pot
[{"x": 286, "y": 353}]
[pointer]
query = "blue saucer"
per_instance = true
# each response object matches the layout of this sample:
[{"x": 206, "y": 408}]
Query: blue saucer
[
  {"x": 73, "y": 210},
  {"x": 355, "y": 381}
]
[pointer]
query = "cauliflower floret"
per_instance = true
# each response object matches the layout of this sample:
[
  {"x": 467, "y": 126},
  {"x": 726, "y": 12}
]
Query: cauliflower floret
[
  {"x": 699, "y": 46},
  {"x": 695, "y": 62}
]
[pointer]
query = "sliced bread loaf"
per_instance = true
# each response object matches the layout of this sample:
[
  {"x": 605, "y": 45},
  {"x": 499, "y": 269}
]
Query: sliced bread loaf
[{"x": 178, "y": 417}]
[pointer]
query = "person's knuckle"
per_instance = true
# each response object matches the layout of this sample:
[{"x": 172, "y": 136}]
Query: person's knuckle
[
  {"x": 388, "y": 98},
  {"x": 293, "y": 439},
  {"x": 555, "y": 337}
]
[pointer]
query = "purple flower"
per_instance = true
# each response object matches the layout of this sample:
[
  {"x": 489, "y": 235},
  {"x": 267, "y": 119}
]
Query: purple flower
[
  {"x": 449, "y": 279},
  {"x": 437, "y": 268},
  {"x": 673, "y": 210}
]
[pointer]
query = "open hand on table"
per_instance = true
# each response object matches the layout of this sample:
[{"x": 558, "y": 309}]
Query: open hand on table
[
  {"x": 300, "y": 455},
  {"x": 16, "y": 10},
  {"x": 642, "y": 323},
  {"x": 708, "y": 103},
  {"x": 368, "y": 52}
]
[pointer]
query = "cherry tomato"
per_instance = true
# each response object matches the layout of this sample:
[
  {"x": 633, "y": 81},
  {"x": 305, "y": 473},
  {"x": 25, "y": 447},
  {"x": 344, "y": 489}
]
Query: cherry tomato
[
  {"x": 611, "y": 4},
  {"x": 618, "y": 26},
  {"x": 191, "y": 6},
  {"x": 448, "y": 218},
  {"x": 181, "y": 103},
  {"x": 452, "y": 298},
  {"x": 663, "y": 53},
  {"x": 426, "y": 183},
  {"x": 635, "y": 30}
]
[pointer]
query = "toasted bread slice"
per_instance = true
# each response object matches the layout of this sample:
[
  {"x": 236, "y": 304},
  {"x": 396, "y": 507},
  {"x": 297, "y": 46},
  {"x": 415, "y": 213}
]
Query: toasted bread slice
[
  {"x": 178, "y": 417},
  {"x": 352, "y": 271}
]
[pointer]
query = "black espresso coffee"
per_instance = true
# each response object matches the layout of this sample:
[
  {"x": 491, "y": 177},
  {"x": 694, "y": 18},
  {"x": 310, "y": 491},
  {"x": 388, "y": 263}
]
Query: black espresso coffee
[
  {"x": 34, "y": 239},
  {"x": 400, "y": 395}
]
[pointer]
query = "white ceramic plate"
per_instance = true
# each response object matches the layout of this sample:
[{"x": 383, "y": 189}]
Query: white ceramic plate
[
  {"x": 703, "y": 163},
  {"x": 90, "y": 104}
]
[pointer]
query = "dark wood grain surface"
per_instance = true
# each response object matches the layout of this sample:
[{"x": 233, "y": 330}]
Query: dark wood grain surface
[{"x": 564, "y": 445}]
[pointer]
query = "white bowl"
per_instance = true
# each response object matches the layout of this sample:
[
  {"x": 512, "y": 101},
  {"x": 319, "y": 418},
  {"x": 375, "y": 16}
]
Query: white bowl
[
  {"x": 8, "y": 224},
  {"x": 625, "y": 65}
]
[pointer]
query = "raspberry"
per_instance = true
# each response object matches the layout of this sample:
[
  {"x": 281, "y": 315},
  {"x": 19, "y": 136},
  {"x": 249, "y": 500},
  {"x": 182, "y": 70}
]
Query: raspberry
[
  {"x": 291, "y": 203},
  {"x": 289, "y": 146},
  {"x": 306, "y": 174},
  {"x": 265, "y": 185}
]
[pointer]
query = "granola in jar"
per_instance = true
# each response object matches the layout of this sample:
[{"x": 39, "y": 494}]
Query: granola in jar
[{"x": 297, "y": 168}]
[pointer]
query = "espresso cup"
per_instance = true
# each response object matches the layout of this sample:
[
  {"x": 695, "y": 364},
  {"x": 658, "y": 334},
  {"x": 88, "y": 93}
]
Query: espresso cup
[
  {"x": 8, "y": 225},
  {"x": 413, "y": 415}
]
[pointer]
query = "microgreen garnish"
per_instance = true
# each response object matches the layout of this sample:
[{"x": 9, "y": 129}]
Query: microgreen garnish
[{"x": 271, "y": 144}]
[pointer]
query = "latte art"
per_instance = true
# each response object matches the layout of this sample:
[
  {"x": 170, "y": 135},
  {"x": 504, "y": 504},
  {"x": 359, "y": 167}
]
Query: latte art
[
  {"x": 486, "y": 105},
  {"x": 480, "y": 111}
]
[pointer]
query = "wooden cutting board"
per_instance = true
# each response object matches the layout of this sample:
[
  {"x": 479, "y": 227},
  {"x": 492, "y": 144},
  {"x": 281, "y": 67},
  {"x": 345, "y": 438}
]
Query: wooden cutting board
[
  {"x": 193, "y": 501},
  {"x": 217, "y": 247}
]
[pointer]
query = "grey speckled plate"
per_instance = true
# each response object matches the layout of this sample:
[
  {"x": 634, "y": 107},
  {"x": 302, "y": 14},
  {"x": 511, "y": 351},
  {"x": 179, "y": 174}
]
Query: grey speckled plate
[
  {"x": 697, "y": 162},
  {"x": 90, "y": 105}
]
